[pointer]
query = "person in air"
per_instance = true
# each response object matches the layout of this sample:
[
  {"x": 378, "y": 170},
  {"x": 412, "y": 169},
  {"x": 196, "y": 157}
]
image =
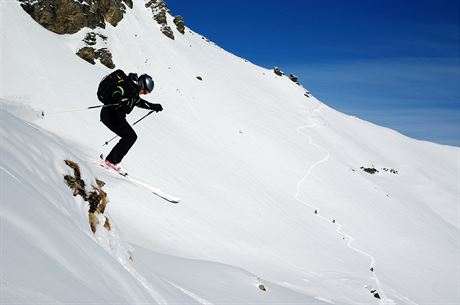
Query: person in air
[{"x": 120, "y": 93}]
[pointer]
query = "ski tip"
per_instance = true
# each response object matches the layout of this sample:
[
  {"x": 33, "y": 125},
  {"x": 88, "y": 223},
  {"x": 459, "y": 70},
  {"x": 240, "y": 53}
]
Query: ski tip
[{"x": 172, "y": 200}]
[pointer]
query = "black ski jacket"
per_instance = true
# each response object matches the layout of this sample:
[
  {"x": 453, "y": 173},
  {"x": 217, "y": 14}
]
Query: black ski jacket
[{"x": 127, "y": 95}]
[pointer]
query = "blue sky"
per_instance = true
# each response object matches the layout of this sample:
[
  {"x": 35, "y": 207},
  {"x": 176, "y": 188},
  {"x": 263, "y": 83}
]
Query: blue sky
[{"x": 395, "y": 63}]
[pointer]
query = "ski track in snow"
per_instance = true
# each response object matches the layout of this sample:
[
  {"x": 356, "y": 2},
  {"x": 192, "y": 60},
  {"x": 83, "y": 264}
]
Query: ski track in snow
[
  {"x": 190, "y": 294},
  {"x": 10, "y": 174},
  {"x": 384, "y": 300}
]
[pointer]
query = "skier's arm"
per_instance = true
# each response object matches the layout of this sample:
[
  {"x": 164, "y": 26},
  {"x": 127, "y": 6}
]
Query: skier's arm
[{"x": 147, "y": 105}]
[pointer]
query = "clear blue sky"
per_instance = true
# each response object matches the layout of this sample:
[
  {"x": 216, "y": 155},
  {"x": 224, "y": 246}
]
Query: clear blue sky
[{"x": 392, "y": 62}]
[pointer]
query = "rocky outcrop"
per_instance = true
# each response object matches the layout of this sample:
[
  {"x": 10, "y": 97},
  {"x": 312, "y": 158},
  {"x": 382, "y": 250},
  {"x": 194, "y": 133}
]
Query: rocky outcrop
[
  {"x": 166, "y": 29},
  {"x": 294, "y": 78},
  {"x": 105, "y": 57},
  {"x": 96, "y": 198},
  {"x": 88, "y": 54},
  {"x": 91, "y": 54},
  {"x": 370, "y": 170},
  {"x": 278, "y": 71},
  {"x": 69, "y": 16},
  {"x": 160, "y": 11},
  {"x": 180, "y": 24}
]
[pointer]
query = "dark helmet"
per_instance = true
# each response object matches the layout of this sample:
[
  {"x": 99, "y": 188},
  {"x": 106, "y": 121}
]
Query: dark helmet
[{"x": 145, "y": 82}]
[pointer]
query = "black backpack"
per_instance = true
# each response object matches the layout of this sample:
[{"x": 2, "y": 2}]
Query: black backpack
[{"x": 109, "y": 84}]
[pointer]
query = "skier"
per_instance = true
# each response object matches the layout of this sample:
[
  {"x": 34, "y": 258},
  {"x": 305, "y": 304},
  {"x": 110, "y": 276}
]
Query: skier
[{"x": 120, "y": 92}]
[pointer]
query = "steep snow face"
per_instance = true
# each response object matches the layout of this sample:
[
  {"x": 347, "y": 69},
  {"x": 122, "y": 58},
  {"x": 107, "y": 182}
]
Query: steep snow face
[
  {"x": 48, "y": 253},
  {"x": 271, "y": 182}
]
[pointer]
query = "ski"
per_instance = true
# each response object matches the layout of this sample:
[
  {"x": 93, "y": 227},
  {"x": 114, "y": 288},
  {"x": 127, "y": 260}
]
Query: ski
[{"x": 154, "y": 190}]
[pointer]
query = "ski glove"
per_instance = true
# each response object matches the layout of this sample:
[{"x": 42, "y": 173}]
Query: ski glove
[
  {"x": 147, "y": 105},
  {"x": 156, "y": 107}
]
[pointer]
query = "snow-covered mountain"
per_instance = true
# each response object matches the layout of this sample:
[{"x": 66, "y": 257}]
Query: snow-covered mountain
[{"x": 279, "y": 203}]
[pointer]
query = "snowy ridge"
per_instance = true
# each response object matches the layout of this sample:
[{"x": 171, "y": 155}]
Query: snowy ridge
[{"x": 234, "y": 146}]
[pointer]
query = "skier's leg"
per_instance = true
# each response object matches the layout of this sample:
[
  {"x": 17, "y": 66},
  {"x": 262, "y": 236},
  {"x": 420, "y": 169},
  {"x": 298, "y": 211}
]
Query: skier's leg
[
  {"x": 128, "y": 138},
  {"x": 120, "y": 127}
]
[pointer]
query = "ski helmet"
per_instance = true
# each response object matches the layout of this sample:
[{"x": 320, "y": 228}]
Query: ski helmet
[{"x": 145, "y": 82}]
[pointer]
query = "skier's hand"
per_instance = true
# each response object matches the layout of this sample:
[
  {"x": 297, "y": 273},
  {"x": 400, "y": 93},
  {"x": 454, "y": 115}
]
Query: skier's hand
[{"x": 156, "y": 107}]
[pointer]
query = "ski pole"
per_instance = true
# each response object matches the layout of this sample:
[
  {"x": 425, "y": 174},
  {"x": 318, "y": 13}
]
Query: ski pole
[
  {"x": 150, "y": 112},
  {"x": 102, "y": 106},
  {"x": 82, "y": 109}
]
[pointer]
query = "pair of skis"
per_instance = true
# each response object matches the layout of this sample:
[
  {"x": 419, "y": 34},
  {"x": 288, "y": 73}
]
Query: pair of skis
[{"x": 154, "y": 190}]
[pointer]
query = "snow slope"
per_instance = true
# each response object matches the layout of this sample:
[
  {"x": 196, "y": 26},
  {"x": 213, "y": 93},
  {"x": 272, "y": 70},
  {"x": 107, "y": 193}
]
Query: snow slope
[{"x": 251, "y": 157}]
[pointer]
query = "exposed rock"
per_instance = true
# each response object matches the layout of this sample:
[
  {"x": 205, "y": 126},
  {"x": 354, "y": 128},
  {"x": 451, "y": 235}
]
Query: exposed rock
[
  {"x": 278, "y": 71},
  {"x": 369, "y": 170},
  {"x": 160, "y": 11},
  {"x": 114, "y": 14},
  {"x": 103, "y": 55},
  {"x": 97, "y": 198},
  {"x": 157, "y": 5},
  {"x": 129, "y": 3},
  {"x": 160, "y": 18},
  {"x": 180, "y": 24},
  {"x": 262, "y": 287},
  {"x": 76, "y": 184},
  {"x": 165, "y": 29},
  {"x": 294, "y": 78},
  {"x": 88, "y": 54},
  {"x": 393, "y": 171},
  {"x": 90, "y": 39},
  {"x": 375, "y": 294},
  {"x": 107, "y": 224},
  {"x": 69, "y": 16}
]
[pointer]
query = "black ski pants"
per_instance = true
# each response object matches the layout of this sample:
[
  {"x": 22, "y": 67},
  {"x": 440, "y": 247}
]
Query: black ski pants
[{"x": 116, "y": 122}]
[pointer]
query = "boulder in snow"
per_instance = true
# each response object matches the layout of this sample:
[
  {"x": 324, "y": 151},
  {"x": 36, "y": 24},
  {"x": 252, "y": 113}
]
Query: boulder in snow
[{"x": 278, "y": 71}]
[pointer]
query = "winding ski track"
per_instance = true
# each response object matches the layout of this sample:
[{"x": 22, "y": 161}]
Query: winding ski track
[{"x": 384, "y": 299}]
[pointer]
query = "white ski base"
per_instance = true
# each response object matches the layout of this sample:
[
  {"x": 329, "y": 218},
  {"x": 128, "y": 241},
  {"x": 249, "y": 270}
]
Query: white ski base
[{"x": 155, "y": 190}]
